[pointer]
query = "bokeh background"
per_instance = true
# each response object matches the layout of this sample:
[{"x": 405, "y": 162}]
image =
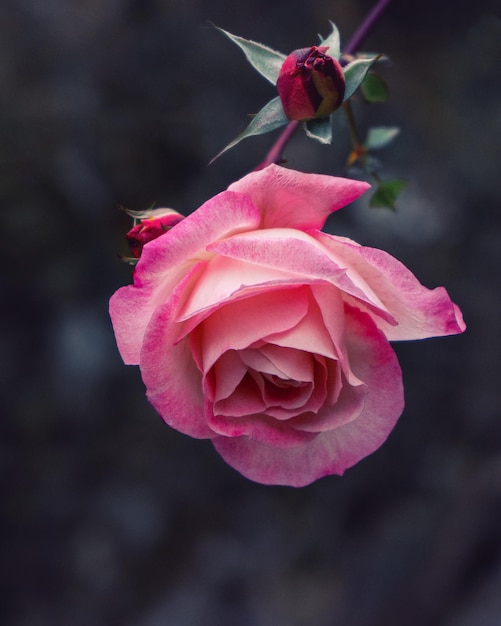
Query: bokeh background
[{"x": 110, "y": 518}]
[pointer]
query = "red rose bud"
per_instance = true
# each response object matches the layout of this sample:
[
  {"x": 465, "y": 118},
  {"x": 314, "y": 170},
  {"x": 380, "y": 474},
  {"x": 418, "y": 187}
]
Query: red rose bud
[
  {"x": 153, "y": 224},
  {"x": 310, "y": 84}
]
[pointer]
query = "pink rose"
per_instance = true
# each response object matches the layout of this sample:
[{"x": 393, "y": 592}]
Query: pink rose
[{"x": 255, "y": 329}]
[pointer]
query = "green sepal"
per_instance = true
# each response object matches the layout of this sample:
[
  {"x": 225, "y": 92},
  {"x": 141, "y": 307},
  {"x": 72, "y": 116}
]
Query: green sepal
[
  {"x": 130, "y": 260},
  {"x": 319, "y": 129},
  {"x": 387, "y": 193},
  {"x": 266, "y": 61},
  {"x": 374, "y": 88},
  {"x": 333, "y": 41},
  {"x": 270, "y": 117},
  {"x": 380, "y": 136},
  {"x": 354, "y": 74}
]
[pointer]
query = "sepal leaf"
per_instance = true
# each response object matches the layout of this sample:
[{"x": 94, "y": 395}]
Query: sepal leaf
[
  {"x": 380, "y": 136},
  {"x": 374, "y": 88},
  {"x": 270, "y": 117},
  {"x": 387, "y": 193},
  {"x": 333, "y": 41},
  {"x": 354, "y": 74},
  {"x": 319, "y": 129},
  {"x": 265, "y": 60}
]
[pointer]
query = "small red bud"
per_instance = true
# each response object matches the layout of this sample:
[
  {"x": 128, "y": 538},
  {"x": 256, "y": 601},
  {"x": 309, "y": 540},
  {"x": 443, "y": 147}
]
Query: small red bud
[
  {"x": 310, "y": 84},
  {"x": 155, "y": 223}
]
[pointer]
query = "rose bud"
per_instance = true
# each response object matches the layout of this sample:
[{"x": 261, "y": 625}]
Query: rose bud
[
  {"x": 154, "y": 223},
  {"x": 310, "y": 84}
]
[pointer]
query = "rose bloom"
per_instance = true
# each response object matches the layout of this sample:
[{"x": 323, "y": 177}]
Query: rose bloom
[{"x": 258, "y": 331}]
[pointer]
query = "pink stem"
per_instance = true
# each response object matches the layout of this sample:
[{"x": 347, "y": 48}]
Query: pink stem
[
  {"x": 365, "y": 28},
  {"x": 275, "y": 154}
]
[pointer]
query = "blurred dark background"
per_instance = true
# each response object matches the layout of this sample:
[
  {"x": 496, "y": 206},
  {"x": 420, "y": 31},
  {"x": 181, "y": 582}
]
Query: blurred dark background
[{"x": 110, "y": 518}]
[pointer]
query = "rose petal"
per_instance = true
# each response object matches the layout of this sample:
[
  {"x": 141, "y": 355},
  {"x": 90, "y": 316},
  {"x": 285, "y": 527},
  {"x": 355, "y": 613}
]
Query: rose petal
[
  {"x": 284, "y": 402},
  {"x": 259, "y": 427},
  {"x": 173, "y": 382},
  {"x": 255, "y": 359},
  {"x": 295, "y": 364},
  {"x": 309, "y": 397},
  {"x": 311, "y": 333},
  {"x": 300, "y": 253},
  {"x": 164, "y": 261},
  {"x": 333, "y": 451},
  {"x": 420, "y": 312},
  {"x": 238, "y": 325},
  {"x": 287, "y": 198},
  {"x": 247, "y": 399},
  {"x": 227, "y": 373},
  {"x": 225, "y": 279},
  {"x": 347, "y": 407},
  {"x": 332, "y": 311}
]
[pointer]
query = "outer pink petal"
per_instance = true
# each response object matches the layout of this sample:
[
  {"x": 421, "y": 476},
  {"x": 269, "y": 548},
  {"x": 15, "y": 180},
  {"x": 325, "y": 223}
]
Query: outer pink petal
[
  {"x": 165, "y": 260},
  {"x": 287, "y": 198},
  {"x": 332, "y": 452},
  {"x": 173, "y": 381},
  {"x": 419, "y": 312}
]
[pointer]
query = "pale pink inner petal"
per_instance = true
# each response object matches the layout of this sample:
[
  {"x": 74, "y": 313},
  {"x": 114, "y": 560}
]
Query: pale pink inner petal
[
  {"x": 255, "y": 359},
  {"x": 334, "y": 378},
  {"x": 311, "y": 333},
  {"x": 225, "y": 376},
  {"x": 246, "y": 400},
  {"x": 313, "y": 395},
  {"x": 331, "y": 309},
  {"x": 294, "y": 364},
  {"x": 347, "y": 407},
  {"x": 240, "y": 324},
  {"x": 282, "y": 375},
  {"x": 224, "y": 277},
  {"x": 327, "y": 383},
  {"x": 273, "y": 387},
  {"x": 303, "y": 254},
  {"x": 314, "y": 379},
  {"x": 286, "y": 396}
]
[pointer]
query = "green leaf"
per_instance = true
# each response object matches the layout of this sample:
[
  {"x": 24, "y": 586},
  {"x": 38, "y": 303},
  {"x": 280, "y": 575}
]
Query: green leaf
[
  {"x": 387, "y": 193},
  {"x": 266, "y": 61},
  {"x": 354, "y": 74},
  {"x": 374, "y": 88},
  {"x": 319, "y": 129},
  {"x": 270, "y": 117},
  {"x": 333, "y": 41},
  {"x": 380, "y": 136}
]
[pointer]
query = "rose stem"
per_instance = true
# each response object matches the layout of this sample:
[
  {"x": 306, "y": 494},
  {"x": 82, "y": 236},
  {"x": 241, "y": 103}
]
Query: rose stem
[
  {"x": 360, "y": 35},
  {"x": 275, "y": 154}
]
